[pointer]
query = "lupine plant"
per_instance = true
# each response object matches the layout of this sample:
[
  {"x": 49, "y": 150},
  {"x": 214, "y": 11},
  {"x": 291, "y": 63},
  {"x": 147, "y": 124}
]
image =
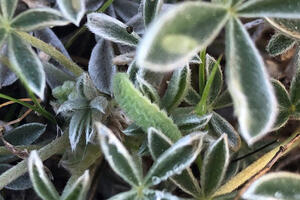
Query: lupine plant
[{"x": 158, "y": 113}]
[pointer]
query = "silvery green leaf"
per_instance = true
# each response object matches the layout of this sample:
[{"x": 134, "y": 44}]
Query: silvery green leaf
[
  {"x": 217, "y": 83},
  {"x": 158, "y": 143},
  {"x": 175, "y": 37},
  {"x": 137, "y": 23},
  {"x": 54, "y": 76},
  {"x": 132, "y": 71},
  {"x": 214, "y": 166},
  {"x": 8, "y": 8},
  {"x": 111, "y": 29},
  {"x": 21, "y": 183},
  {"x": 295, "y": 85},
  {"x": 290, "y": 27},
  {"x": 147, "y": 90},
  {"x": 220, "y": 126},
  {"x": 3, "y": 36},
  {"x": 284, "y": 104},
  {"x": 73, "y": 105},
  {"x": 38, "y": 18},
  {"x": 42, "y": 185},
  {"x": 248, "y": 83},
  {"x": 61, "y": 93},
  {"x": 133, "y": 130},
  {"x": 223, "y": 100},
  {"x": 77, "y": 127},
  {"x": 100, "y": 103},
  {"x": 192, "y": 97},
  {"x": 177, "y": 88},
  {"x": 25, "y": 134},
  {"x": 280, "y": 185},
  {"x": 132, "y": 8},
  {"x": 270, "y": 8},
  {"x": 130, "y": 195},
  {"x": 161, "y": 195},
  {"x": 85, "y": 87},
  {"x": 175, "y": 159},
  {"x": 151, "y": 9},
  {"x": 7, "y": 77},
  {"x": 279, "y": 44},
  {"x": 117, "y": 156},
  {"x": 188, "y": 123},
  {"x": 26, "y": 64},
  {"x": 101, "y": 68},
  {"x": 73, "y": 10},
  {"x": 79, "y": 189}
]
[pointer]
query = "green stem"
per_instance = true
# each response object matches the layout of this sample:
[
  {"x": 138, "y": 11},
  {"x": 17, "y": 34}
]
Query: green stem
[
  {"x": 84, "y": 28},
  {"x": 5, "y": 151},
  {"x": 56, "y": 146},
  {"x": 53, "y": 52},
  {"x": 202, "y": 71}
]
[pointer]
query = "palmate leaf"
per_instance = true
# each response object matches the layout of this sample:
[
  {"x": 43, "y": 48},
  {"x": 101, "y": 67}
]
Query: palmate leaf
[
  {"x": 158, "y": 143},
  {"x": 177, "y": 88},
  {"x": 8, "y": 8},
  {"x": 175, "y": 159},
  {"x": 141, "y": 110},
  {"x": 280, "y": 185},
  {"x": 79, "y": 189},
  {"x": 41, "y": 183},
  {"x": 26, "y": 64},
  {"x": 111, "y": 29},
  {"x": 214, "y": 166},
  {"x": 38, "y": 18},
  {"x": 270, "y": 8},
  {"x": 279, "y": 44},
  {"x": 117, "y": 156},
  {"x": 248, "y": 82},
  {"x": 73, "y": 10},
  {"x": 290, "y": 27},
  {"x": 179, "y": 34},
  {"x": 151, "y": 9}
]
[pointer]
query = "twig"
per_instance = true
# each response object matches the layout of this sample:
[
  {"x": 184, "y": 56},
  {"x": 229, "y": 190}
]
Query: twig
[
  {"x": 254, "y": 23},
  {"x": 282, "y": 150}
]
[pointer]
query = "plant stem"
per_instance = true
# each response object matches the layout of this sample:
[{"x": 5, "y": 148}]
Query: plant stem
[
  {"x": 84, "y": 28},
  {"x": 56, "y": 146},
  {"x": 202, "y": 71},
  {"x": 53, "y": 52},
  {"x": 5, "y": 151}
]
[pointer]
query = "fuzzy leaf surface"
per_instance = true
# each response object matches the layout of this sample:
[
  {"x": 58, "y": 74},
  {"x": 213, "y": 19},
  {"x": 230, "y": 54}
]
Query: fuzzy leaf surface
[
  {"x": 141, "y": 110},
  {"x": 188, "y": 123},
  {"x": 111, "y": 29},
  {"x": 175, "y": 159},
  {"x": 73, "y": 10},
  {"x": 151, "y": 9},
  {"x": 176, "y": 36},
  {"x": 177, "y": 88},
  {"x": 26, "y": 64},
  {"x": 270, "y": 8},
  {"x": 41, "y": 183},
  {"x": 148, "y": 90},
  {"x": 214, "y": 166},
  {"x": 295, "y": 85},
  {"x": 38, "y": 18},
  {"x": 76, "y": 127},
  {"x": 280, "y": 185},
  {"x": 279, "y": 44},
  {"x": 289, "y": 27},
  {"x": 248, "y": 83},
  {"x": 130, "y": 195},
  {"x": 161, "y": 195},
  {"x": 117, "y": 156},
  {"x": 8, "y": 8}
]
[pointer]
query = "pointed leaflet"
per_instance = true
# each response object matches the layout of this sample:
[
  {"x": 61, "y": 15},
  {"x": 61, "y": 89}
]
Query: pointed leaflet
[
  {"x": 147, "y": 90},
  {"x": 248, "y": 82},
  {"x": 295, "y": 85},
  {"x": 76, "y": 127},
  {"x": 270, "y": 8},
  {"x": 284, "y": 104},
  {"x": 141, "y": 110},
  {"x": 151, "y": 9},
  {"x": 41, "y": 183},
  {"x": 80, "y": 188},
  {"x": 223, "y": 100},
  {"x": 117, "y": 156},
  {"x": 175, "y": 159},
  {"x": 130, "y": 195},
  {"x": 280, "y": 185},
  {"x": 289, "y": 27},
  {"x": 189, "y": 122},
  {"x": 214, "y": 166},
  {"x": 179, "y": 34},
  {"x": 73, "y": 10},
  {"x": 38, "y": 18},
  {"x": 8, "y": 8},
  {"x": 158, "y": 143},
  {"x": 177, "y": 88},
  {"x": 101, "y": 68},
  {"x": 111, "y": 29},
  {"x": 25, "y": 63},
  {"x": 220, "y": 126},
  {"x": 279, "y": 44}
]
